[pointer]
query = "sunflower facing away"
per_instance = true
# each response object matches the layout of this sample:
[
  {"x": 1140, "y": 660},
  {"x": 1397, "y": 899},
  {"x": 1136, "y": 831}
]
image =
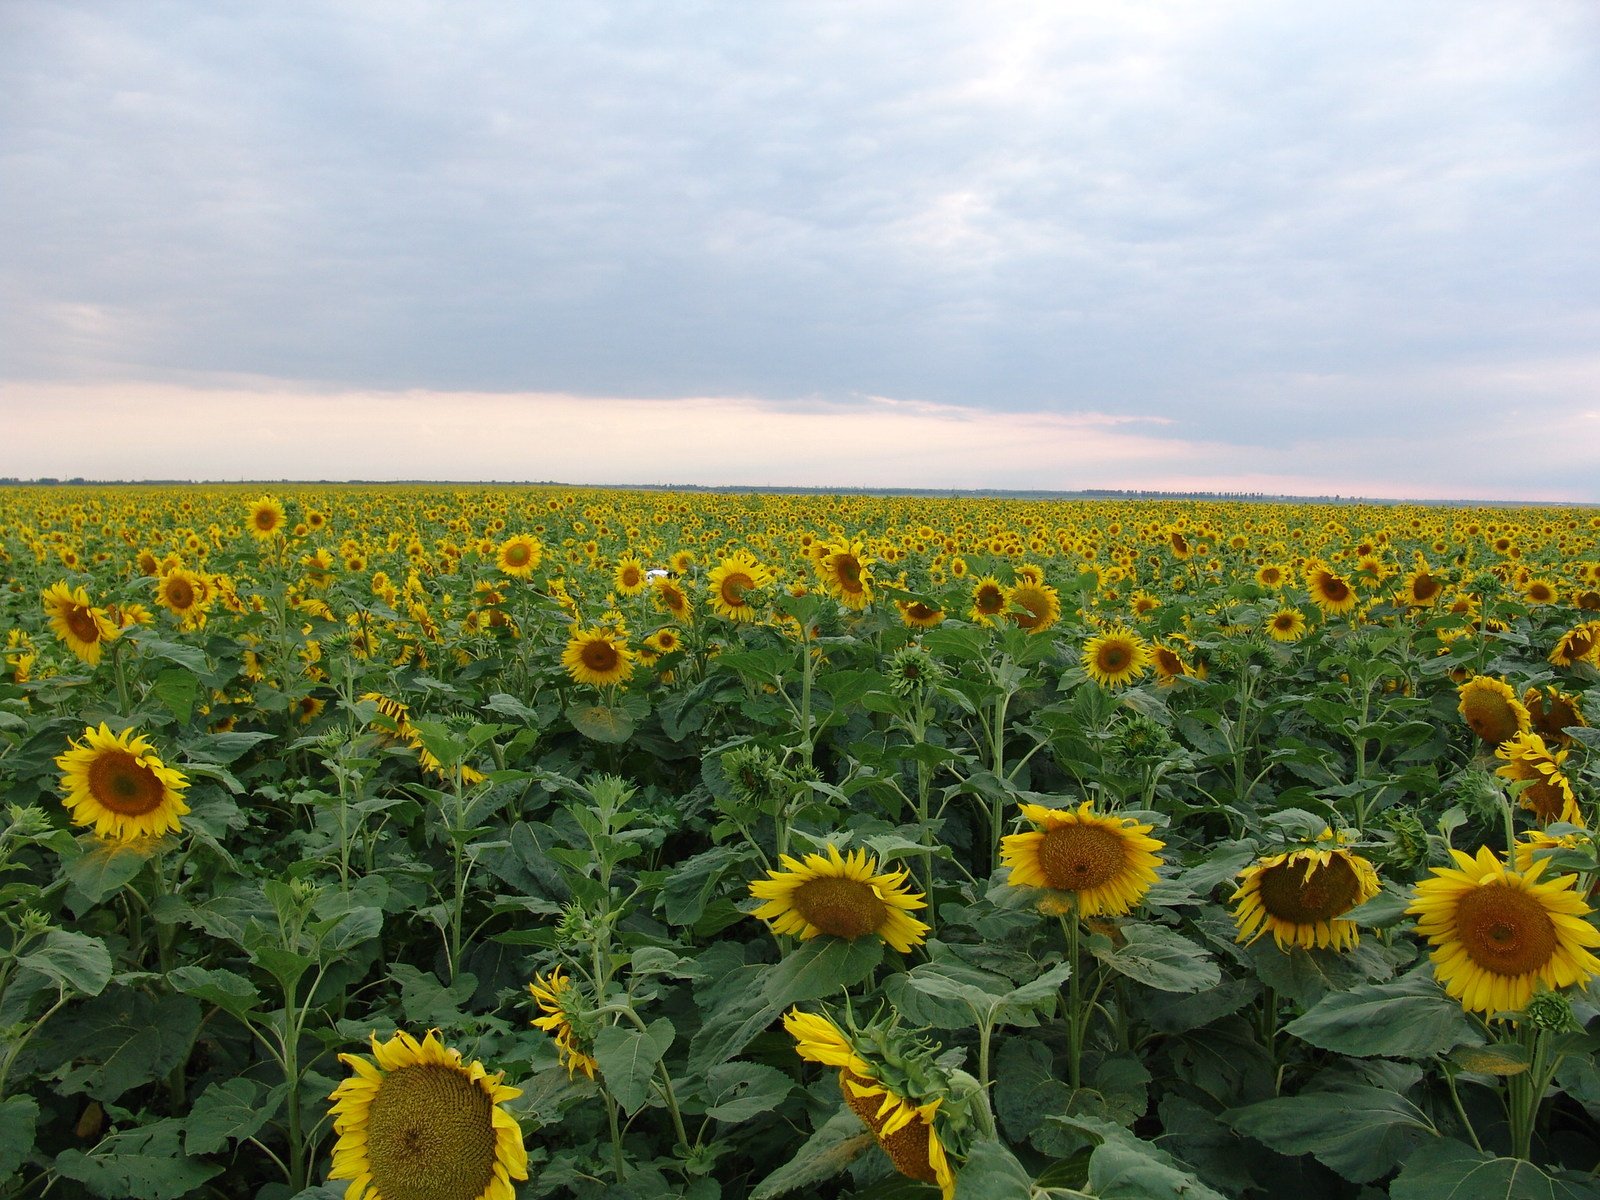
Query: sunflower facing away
[
  {"x": 1492, "y": 709},
  {"x": 117, "y": 784},
  {"x": 843, "y": 896},
  {"x": 77, "y": 622},
  {"x": 1548, "y": 794},
  {"x": 1115, "y": 657},
  {"x": 906, "y": 1126},
  {"x": 556, "y": 995},
  {"x": 1107, "y": 863},
  {"x": 1498, "y": 933},
  {"x": 418, "y": 1123},
  {"x": 1300, "y": 897},
  {"x": 597, "y": 656}
]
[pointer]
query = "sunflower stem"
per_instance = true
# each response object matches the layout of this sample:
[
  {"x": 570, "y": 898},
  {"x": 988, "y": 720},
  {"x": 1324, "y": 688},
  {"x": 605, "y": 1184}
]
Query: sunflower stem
[
  {"x": 618, "y": 1167},
  {"x": 1075, "y": 1024},
  {"x": 120, "y": 675}
]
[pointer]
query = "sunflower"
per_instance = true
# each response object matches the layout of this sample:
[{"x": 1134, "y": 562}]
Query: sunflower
[
  {"x": 1539, "y": 591},
  {"x": 1420, "y": 589},
  {"x": 1498, "y": 933},
  {"x": 1168, "y": 664},
  {"x": 1578, "y": 644},
  {"x": 844, "y": 897},
  {"x": 1302, "y": 896},
  {"x": 905, "y": 1125},
  {"x": 731, "y": 583},
  {"x": 418, "y": 1123},
  {"x": 629, "y": 578},
  {"x": 182, "y": 593},
  {"x": 599, "y": 656},
  {"x": 1286, "y": 625},
  {"x": 1035, "y": 606},
  {"x": 1548, "y": 794},
  {"x": 116, "y": 783},
  {"x": 1107, "y": 863},
  {"x": 1115, "y": 656},
  {"x": 1492, "y": 709},
  {"x": 1552, "y": 712},
  {"x": 519, "y": 556},
  {"x": 846, "y": 576},
  {"x": 669, "y": 598},
  {"x": 1330, "y": 592},
  {"x": 77, "y": 622},
  {"x": 266, "y": 518},
  {"x": 558, "y": 1001},
  {"x": 1271, "y": 575},
  {"x": 988, "y": 599},
  {"x": 917, "y": 614}
]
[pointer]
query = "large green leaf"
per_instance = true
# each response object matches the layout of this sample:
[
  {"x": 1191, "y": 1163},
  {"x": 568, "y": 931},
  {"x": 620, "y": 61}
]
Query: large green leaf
[
  {"x": 1361, "y": 1132},
  {"x": 1409, "y": 1017},
  {"x": 628, "y": 1058},
  {"x": 740, "y": 1090},
  {"x": 1452, "y": 1170},
  {"x": 75, "y": 961},
  {"x": 228, "y": 1111},
  {"x": 17, "y": 1117},
  {"x": 600, "y": 724},
  {"x": 1158, "y": 957},
  {"x": 832, "y": 1148},
  {"x": 142, "y": 1164},
  {"x": 992, "y": 1172},
  {"x": 118, "y": 1040}
]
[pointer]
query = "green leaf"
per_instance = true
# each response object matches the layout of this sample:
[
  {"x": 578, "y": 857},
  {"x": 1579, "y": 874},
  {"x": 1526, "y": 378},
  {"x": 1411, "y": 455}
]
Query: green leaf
[
  {"x": 1451, "y": 1170},
  {"x": 826, "y": 1152},
  {"x": 992, "y": 1172},
  {"x": 142, "y": 1164},
  {"x": 1123, "y": 1167},
  {"x": 1409, "y": 1017},
  {"x": 612, "y": 726},
  {"x": 427, "y": 1002},
  {"x": 1361, "y": 1132},
  {"x": 121, "y": 1038},
  {"x": 738, "y": 1091},
  {"x": 225, "y": 748},
  {"x": 1158, "y": 957},
  {"x": 104, "y": 870},
  {"x": 228, "y": 1111},
  {"x": 74, "y": 960},
  {"x": 822, "y": 966},
  {"x": 17, "y": 1117},
  {"x": 628, "y": 1058},
  {"x": 230, "y": 992},
  {"x": 177, "y": 690}
]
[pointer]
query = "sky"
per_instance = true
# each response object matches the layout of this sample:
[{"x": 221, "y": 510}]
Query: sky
[{"x": 1236, "y": 246}]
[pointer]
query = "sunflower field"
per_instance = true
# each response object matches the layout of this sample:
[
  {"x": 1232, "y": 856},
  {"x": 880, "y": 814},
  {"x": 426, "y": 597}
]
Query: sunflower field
[{"x": 467, "y": 844}]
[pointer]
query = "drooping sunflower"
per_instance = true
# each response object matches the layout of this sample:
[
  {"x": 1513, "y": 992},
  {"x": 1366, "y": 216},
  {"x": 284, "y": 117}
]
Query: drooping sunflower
[
  {"x": 77, "y": 622},
  {"x": 842, "y": 896},
  {"x": 918, "y": 614},
  {"x": 731, "y": 583},
  {"x": 116, "y": 783},
  {"x": 1552, "y": 712},
  {"x": 598, "y": 656},
  {"x": 266, "y": 517},
  {"x": 1115, "y": 656},
  {"x": 1548, "y": 794},
  {"x": 896, "y": 1089},
  {"x": 1492, "y": 709},
  {"x": 1498, "y": 932},
  {"x": 1107, "y": 863},
  {"x": 1330, "y": 591},
  {"x": 557, "y": 999},
  {"x": 988, "y": 599},
  {"x": 418, "y": 1123},
  {"x": 1033, "y": 606},
  {"x": 1581, "y": 643},
  {"x": 1286, "y": 625},
  {"x": 519, "y": 555},
  {"x": 1301, "y": 896}
]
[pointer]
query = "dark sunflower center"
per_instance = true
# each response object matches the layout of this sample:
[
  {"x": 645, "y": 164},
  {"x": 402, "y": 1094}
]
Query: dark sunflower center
[
  {"x": 846, "y": 908},
  {"x": 848, "y": 569},
  {"x": 1335, "y": 590},
  {"x": 179, "y": 594},
  {"x": 630, "y": 577},
  {"x": 989, "y": 600},
  {"x": 1540, "y": 594},
  {"x": 1489, "y": 716},
  {"x": 266, "y": 519},
  {"x": 430, "y": 1135},
  {"x": 1425, "y": 587},
  {"x": 82, "y": 623},
  {"x": 1169, "y": 662},
  {"x": 1114, "y": 658},
  {"x": 1578, "y": 643},
  {"x": 1076, "y": 858},
  {"x": 907, "y": 1147},
  {"x": 124, "y": 785},
  {"x": 734, "y": 587},
  {"x": 1283, "y": 622},
  {"x": 1304, "y": 894},
  {"x": 517, "y": 556},
  {"x": 599, "y": 656},
  {"x": 1505, "y": 931}
]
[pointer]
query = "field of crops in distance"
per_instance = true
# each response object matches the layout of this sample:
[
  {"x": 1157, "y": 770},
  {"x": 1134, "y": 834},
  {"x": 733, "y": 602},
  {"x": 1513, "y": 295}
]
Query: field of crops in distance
[{"x": 469, "y": 843}]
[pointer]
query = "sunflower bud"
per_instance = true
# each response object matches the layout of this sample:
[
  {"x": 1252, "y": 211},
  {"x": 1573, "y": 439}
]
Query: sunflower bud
[{"x": 1550, "y": 1011}]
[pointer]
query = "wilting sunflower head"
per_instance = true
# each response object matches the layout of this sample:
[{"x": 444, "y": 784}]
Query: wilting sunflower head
[
  {"x": 1301, "y": 896},
  {"x": 1105, "y": 863},
  {"x": 1579, "y": 644},
  {"x": 1546, "y": 792},
  {"x": 842, "y": 896},
  {"x": 565, "y": 1020},
  {"x": 116, "y": 783},
  {"x": 597, "y": 656},
  {"x": 919, "y": 1112},
  {"x": 418, "y": 1123},
  {"x": 1115, "y": 657},
  {"x": 1499, "y": 933},
  {"x": 77, "y": 622},
  {"x": 1491, "y": 709},
  {"x": 1552, "y": 712}
]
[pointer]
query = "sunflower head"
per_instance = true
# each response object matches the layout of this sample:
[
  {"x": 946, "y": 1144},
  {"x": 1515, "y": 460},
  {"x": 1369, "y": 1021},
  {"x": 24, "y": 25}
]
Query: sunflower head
[
  {"x": 1286, "y": 625},
  {"x": 1104, "y": 863},
  {"x": 266, "y": 518},
  {"x": 597, "y": 656},
  {"x": 1301, "y": 896},
  {"x": 1546, "y": 792},
  {"x": 735, "y": 584},
  {"x": 1491, "y": 709},
  {"x": 1499, "y": 933},
  {"x": 116, "y": 783},
  {"x": 77, "y": 622},
  {"x": 1034, "y": 606},
  {"x": 519, "y": 556},
  {"x": 1115, "y": 657},
  {"x": 843, "y": 896},
  {"x": 1552, "y": 712},
  {"x": 1330, "y": 591},
  {"x": 565, "y": 1018},
  {"x": 416, "y": 1122},
  {"x": 988, "y": 599}
]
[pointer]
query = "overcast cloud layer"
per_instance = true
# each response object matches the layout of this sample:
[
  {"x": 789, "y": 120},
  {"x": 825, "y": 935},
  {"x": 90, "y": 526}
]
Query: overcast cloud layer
[{"x": 1350, "y": 249}]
